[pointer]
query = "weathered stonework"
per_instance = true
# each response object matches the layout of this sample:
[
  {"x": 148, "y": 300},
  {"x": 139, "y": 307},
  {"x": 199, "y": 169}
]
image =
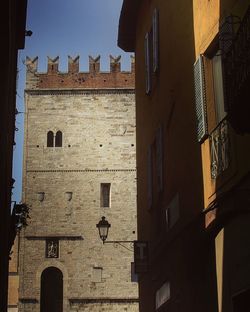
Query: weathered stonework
[{"x": 95, "y": 112}]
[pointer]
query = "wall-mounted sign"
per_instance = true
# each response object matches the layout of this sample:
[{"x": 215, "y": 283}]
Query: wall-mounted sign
[{"x": 141, "y": 256}]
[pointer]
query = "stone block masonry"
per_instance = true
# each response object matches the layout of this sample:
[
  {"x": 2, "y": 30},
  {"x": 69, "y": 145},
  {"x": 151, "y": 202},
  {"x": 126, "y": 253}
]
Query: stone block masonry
[{"x": 79, "y": 134}]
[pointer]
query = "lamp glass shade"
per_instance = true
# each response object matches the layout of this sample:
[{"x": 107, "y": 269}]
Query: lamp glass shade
[{"x": 103, "y": 228}]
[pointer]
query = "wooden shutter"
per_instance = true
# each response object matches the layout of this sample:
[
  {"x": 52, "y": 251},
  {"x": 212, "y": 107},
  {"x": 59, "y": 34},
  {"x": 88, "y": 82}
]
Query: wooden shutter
[
  {"x": 147, "y": 63},
  {"x": 155, "y": 40},
  {"x": 200, "y": 99}
]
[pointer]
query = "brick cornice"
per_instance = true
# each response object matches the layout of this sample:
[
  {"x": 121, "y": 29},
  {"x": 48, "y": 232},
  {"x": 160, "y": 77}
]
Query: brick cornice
[{"x": 74, "y": 92}]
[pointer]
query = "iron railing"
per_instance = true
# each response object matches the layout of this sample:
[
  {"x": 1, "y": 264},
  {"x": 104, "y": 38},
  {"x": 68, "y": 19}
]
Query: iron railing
[{"x": 219, "y": 149}]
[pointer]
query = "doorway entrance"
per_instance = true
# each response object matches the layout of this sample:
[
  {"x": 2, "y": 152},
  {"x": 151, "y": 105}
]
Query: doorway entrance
[{"x": 51, "y": 299}]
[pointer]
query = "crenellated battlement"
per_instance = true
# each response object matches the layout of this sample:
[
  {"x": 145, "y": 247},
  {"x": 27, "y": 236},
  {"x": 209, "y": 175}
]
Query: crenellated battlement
[{"x": 73, "y": 78}]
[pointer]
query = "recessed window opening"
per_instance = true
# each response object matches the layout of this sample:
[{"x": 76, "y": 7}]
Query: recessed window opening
[
  {"x": 50, "y": 139},
  {"x": 58, "y": 139},
  {"x": 105, "y": 195},
  {"x": 218, "y": 87},
  {"x": 54, "y": 140},
  {"x": 162, "y": 295}
]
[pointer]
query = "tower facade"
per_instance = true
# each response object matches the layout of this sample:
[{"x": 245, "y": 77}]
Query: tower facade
[{"x": 79, "y": 165}]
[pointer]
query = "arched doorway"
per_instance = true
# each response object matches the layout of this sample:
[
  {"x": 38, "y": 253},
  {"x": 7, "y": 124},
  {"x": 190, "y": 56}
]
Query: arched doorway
[{"x": 51, "y": 299}]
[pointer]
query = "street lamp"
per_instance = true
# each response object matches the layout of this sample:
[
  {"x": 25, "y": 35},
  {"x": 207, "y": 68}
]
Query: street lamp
[
  {"x": 140, "y": 247},
  {"x": 103, "y": 228}
]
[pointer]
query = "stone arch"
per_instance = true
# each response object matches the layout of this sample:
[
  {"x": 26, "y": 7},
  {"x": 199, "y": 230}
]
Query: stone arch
[
  {"x": 51, "y": 290},
  {"x": 61, "y": 267}
]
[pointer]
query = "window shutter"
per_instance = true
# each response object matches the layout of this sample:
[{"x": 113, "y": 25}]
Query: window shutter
[
  {"x": 150, "y": 177},
  {"x": 155, "y": 40},
  {"x": 200, "y": 99},
  {"x": 147, "y": 63}
]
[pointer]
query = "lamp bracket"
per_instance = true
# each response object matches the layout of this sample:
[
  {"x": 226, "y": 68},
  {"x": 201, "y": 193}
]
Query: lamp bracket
[{"x": 120, "y": 243}]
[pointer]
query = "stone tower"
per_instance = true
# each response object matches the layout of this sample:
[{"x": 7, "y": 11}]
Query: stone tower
[{"x": 79, "y": 165}]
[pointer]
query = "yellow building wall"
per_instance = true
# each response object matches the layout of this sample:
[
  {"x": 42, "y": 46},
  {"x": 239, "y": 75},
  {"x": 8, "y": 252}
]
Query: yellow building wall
[
  {"x": 207, "y": 17},
  {"x": 13, "y": 278},
  {"x": 230, "y": 241}
]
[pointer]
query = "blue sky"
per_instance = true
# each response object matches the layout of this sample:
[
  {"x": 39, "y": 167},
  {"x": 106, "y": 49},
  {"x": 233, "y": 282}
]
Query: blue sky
[{"x": 62, "y": 28}]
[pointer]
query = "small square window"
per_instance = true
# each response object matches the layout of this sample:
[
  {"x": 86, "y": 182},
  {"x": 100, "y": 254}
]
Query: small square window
[{"x": 105, "y": 195}]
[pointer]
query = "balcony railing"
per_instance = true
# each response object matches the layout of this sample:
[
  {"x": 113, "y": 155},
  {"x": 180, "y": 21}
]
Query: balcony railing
[
  {"x": 236, "y": 63},
  {"x": 219, "y": 149}
]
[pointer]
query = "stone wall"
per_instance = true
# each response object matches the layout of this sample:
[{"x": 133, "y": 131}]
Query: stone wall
[{"x": 98, "y": 146}]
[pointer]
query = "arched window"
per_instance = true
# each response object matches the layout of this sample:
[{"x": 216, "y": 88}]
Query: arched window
[
  {"x": 50, "y": 139},
  {"x": 51, "y": 299},
  {"x": 58, "y": 139}
]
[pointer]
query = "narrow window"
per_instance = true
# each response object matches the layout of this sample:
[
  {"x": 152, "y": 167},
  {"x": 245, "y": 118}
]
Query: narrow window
[
  {"x": 218, "y": 88},
  {"x": 159, "y": 158},
  {"x": 173, "y": 212},
  {"x": 155, "y": 40},
  {"x": 58, "y": 142},
  {"x": 105, "y": 195},
  {"x": 148, "y": 61},
  {"x": 162, "y": 295},
  {"x": 150, "y": 177},
  {"x": 50, "y": 139}
]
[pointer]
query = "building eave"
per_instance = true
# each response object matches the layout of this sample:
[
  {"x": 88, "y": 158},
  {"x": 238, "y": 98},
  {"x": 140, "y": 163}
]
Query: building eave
[
  {"x": 21, "y": 23},
  {"x": 127, "y": 25}
]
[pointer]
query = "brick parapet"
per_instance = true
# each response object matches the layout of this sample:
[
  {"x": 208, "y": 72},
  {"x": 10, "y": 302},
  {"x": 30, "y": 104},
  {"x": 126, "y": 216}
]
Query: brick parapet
[{"x": 73, "y": 79}]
